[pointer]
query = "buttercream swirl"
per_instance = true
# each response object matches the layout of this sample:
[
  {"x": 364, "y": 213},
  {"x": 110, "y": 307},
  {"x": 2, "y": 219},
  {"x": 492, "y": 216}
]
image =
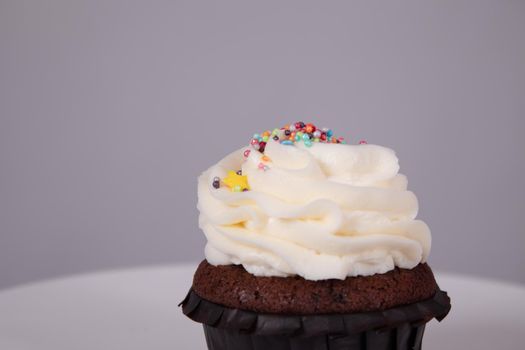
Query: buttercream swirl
[{"x": 320, "y": 212}]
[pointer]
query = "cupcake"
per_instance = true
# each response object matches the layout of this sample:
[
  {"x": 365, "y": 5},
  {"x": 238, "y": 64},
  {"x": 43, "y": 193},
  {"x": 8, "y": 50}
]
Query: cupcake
[{"x": 312, "y": 243}]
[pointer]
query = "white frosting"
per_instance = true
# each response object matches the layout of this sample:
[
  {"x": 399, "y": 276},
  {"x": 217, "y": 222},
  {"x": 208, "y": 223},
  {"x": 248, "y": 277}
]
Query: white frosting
[{"x": 328, "y": 211}]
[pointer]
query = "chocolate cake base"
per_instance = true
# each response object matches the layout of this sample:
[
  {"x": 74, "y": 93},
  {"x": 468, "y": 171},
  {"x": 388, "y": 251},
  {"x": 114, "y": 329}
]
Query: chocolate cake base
[{"x": 232, "y": 286}]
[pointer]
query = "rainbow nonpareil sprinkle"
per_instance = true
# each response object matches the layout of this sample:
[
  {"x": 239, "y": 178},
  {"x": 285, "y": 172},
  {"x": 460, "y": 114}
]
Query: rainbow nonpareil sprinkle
[{"x": 291, "y": 134}]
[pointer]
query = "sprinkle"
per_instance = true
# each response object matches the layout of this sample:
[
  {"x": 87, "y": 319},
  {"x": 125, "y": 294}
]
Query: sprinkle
[
  {"x": 233, "y": 179},
  {"x": 216, "y": 182},
  {"x": 363, "y": 142},
  {"x": 266, "y": 159},
  {"x": 265, "y": 138},
  {"x": 317, "y": 134},
  {"x": 262, "y": 146},
  {"x": 310, "y": 128},
  {"x": 306, "y": 137},
  {"x": 263, "y": 167},
  {"x": 246, "y": 153},
  {"x": 287, "y": 142},
  {"x": 308, "y": 143},
  {"x": 256, "y": 136},
  {"x": 239, "y": 172},
  {"x": 237, "y": 188}
]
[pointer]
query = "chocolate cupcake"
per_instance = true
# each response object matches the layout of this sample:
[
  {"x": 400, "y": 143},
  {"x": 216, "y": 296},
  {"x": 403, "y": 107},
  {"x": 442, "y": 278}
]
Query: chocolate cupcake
[{"x": 312, "y": 244}]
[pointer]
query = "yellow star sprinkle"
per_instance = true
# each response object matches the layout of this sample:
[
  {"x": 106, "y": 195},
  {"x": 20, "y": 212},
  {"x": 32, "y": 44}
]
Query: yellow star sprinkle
[{"x": 237, "y": 183}]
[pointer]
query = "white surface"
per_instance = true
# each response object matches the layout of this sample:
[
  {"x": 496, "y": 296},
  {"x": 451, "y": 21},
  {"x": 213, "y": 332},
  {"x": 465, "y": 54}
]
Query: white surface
[{"x": 137, "y": 309}]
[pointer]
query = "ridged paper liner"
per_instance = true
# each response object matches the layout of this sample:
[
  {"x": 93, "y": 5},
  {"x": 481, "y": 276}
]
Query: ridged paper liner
[{"x": 398, "y": 328}]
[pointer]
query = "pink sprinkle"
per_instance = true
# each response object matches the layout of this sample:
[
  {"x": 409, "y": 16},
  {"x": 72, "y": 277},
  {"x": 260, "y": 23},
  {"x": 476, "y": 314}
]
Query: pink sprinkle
[
  {"x": 263, "y": 167},
  {"x": 246, "y": 153},
  {"x": 363, "y": 142}
]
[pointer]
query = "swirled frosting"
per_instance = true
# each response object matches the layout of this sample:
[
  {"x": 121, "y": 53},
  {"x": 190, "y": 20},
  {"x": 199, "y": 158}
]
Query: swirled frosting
[{"x": 320, "y": 212}]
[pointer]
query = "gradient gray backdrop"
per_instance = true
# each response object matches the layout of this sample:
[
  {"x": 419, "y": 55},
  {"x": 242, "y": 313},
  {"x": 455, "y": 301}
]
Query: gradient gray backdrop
[{"x": 110, "y": 110}]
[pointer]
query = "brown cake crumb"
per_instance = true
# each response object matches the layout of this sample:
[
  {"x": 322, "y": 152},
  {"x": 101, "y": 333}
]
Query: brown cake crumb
[{"x": 233, "y": 286}]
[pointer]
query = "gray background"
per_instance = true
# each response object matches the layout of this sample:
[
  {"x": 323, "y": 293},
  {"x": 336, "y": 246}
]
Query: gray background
[{"x": 110, "y": 110}]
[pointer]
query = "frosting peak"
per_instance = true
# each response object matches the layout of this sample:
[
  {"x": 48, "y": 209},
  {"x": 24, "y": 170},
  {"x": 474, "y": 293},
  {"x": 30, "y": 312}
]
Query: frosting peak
[{"x": 321, "y": 211}]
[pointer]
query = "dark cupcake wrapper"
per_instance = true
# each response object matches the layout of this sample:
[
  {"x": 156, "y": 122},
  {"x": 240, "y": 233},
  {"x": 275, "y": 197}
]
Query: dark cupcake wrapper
[
  {"x": 403, "y": 337},
  {"x": 398, "y": 328}
]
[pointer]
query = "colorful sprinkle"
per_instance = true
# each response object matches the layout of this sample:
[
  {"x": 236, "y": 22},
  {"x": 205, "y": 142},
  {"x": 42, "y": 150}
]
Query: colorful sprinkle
[
  {"x": 263, "y": 167},
  {"x": 247, "y": 153},
  {"x": 363, "y": 142},
  {"x": 216, "y": 182}
]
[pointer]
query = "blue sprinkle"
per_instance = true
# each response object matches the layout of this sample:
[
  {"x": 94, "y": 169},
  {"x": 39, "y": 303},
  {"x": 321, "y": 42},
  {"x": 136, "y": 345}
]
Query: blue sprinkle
[
  {"x": 329, "y": 133},
  {"x": 306, "y": 137},
  {"x": 308, "y": 143},
  {"x": 256, "y": 136},
  {"x": 286, "y": 142}
]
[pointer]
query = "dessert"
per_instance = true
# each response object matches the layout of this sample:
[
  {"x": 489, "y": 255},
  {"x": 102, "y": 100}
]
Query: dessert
[{"x": 313, "y": 243}]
